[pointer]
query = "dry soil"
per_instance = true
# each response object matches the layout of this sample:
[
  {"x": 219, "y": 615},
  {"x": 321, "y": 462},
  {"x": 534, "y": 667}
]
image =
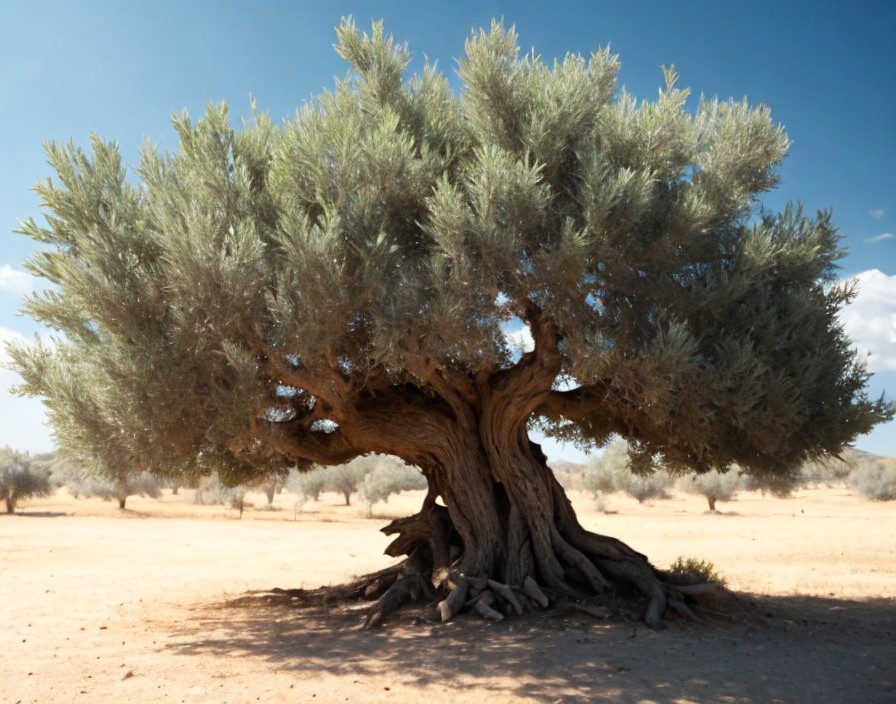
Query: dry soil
[{"x": 161, "y": 603}]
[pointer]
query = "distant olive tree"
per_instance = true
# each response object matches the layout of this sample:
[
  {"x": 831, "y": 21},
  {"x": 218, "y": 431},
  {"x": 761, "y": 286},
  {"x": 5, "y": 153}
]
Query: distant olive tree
[
  {"x": 619, "y": 469},
  {"x": 21, "y": 477},
  {"x": 389, "y": 476},
  {"x": 346, "y": 478},
  {"x": 307, "y": 484},
  {"x": 714, "y": 485},
  {"x": 120, "y": 487},
  {"x": 270, "y": 486}
]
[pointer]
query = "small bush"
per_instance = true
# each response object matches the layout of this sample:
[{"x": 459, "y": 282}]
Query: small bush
[
  {"x": 698, "y": 570},
  {"x": 65, "y": 473},
  {"x": 876, "y": 480}
]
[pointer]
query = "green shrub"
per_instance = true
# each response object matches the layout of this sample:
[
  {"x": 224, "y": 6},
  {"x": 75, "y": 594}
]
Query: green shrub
[{"x": 698, "y": 570}]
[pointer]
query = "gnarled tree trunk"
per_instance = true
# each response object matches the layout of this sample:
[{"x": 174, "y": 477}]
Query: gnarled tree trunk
[{"x": 496, "y": 532}]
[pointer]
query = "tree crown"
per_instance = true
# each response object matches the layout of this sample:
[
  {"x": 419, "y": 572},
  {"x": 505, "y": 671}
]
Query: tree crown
[{"x": 236, "y": 302}]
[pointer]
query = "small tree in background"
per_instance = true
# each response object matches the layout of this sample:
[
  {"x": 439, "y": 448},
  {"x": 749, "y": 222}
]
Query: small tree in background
[
  {"x": 120, "y": 487},
  {"x": 270, "y": 486},
  {"x": 346, "y": 478},
  {"x": 618, "y": 469},
  {"x": 21, "y": 478},
  {"x": 308, "y": 484},
  {"x": 714, "y": 485},
  {"x": 389, "y": 476},
  {"x": 65, "y": 473}
]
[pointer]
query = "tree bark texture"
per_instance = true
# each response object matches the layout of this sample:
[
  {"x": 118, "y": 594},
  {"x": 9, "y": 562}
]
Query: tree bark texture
[{"x": 496, "y": 532}]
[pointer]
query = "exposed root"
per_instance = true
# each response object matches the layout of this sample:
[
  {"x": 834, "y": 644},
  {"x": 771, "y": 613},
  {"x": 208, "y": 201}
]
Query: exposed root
[
  {"x": 506, "y": 593},
  {"x": 585, "y": 565},
  {"x": 534, "y": 592},
  {"x": 410, "y": 587},
  {"x": 484, "y": 609},
  {"x": 451, "y": 605}
]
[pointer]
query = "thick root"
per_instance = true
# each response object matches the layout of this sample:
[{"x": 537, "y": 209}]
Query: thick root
[{"x": 574, "y": 567}]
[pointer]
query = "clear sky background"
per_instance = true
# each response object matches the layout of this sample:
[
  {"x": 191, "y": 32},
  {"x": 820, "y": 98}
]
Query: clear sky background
[{"x": 826, "y": 69}]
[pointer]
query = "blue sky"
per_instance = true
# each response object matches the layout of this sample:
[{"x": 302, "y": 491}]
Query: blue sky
[{"x": 826, "y": 69}]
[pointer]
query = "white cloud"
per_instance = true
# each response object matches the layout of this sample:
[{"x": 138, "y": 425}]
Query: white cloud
[
  {"x": 520, "y": 340},
  {"x": 870, "y": 320},
  {"x": 880, "y": 238},
  {"x": 19, "y": 282},
  {"x": 877, "y": 213}
]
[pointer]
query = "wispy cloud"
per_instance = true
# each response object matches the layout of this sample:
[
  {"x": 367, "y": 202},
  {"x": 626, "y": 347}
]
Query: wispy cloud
[
  {"x": 877, "y": 213},
  {"x": 870, "y": 320},
  {"x": 18, "y": 282},
  {"x": 880, "y": 238}
]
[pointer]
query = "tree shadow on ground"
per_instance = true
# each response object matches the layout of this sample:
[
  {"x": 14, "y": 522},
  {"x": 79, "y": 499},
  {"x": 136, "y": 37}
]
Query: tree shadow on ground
[{"x": 802, "y": 649}]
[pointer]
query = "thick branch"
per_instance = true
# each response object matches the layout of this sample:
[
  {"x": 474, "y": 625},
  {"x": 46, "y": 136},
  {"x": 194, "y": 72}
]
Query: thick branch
[
  {"x": 323, "y": 381},
  {"x": 455, "y": 389}
]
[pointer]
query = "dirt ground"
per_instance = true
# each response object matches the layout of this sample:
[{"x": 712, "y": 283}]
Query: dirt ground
[{"x": 154, "y": 604}]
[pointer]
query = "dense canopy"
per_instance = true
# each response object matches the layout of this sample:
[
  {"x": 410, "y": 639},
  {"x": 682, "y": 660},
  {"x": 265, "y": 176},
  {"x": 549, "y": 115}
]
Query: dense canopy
[{"x": 347, "y": 282}]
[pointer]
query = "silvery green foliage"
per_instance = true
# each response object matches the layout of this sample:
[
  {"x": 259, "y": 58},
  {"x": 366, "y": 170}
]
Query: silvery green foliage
[
  {"x": 211, "y": 491},
  {"x": 308, "y": 484},
  {"x": 347, "y": 478},
  {"x": 714, "y": 485},
  {"x": 616, "y": 470},
  {"x": 21, "y": 478},
  {"x": 119, "y": 488},
  {"x": 395, "y": 218},
  {"x": 389, "y": 476}
]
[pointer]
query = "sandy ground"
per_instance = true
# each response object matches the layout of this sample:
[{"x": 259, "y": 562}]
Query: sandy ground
[{"x": 145, "y": 605}]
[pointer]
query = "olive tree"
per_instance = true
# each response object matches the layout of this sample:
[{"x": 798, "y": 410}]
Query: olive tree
[
  {"x": 343, "y": 284},
  {"x": 713, "y": 485},
  {"x": 21, "y": 478}
]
